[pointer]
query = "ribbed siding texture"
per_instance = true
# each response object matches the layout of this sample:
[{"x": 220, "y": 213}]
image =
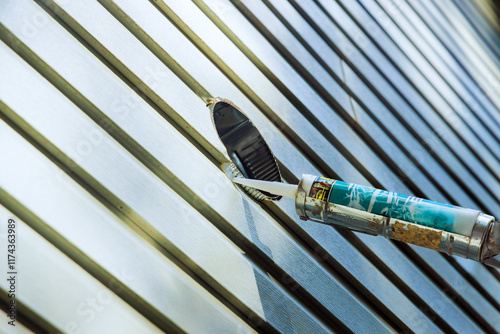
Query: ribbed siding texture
[{"x": 110, "y": 164}]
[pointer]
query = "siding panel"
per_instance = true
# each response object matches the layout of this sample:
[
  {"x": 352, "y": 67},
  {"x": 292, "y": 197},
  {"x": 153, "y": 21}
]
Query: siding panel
[{"x": 105, "y": 128}]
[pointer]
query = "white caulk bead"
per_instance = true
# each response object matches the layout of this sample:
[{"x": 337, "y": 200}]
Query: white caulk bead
[{"x": 276, "y": 188}]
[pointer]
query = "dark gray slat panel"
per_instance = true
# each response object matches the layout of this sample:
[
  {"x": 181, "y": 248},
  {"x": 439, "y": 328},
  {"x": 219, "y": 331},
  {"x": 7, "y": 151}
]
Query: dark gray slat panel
[
  {"x": 426, "y": 42},
  {"x": 375, "y": 275},
  {"x": 60, "y": 291},
  {"x": 479, "y": 24},
  {"x": 438, "y": 108},
  {"x": 422, "y": 57},
  {"x": 384, "y": 89},
  {"x": 266, "y": 242},
  {"x": 440, "y": 93},
  {"x": 194, "y": 238},
  {"x": 372, "y": 131},
  {"x": 467, "y": 60},
  {"x": 462, "y": 27}
]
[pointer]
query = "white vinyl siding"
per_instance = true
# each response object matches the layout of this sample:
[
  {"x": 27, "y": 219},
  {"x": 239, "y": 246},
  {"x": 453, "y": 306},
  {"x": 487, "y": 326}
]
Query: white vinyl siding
[{"x": 110, "y": 164}]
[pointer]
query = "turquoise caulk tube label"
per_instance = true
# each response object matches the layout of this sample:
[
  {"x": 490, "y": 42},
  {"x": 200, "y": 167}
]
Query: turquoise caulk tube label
[{"x": 389, "y": 204}]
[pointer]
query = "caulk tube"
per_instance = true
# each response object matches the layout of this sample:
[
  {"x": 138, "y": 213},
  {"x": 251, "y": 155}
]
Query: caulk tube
[{"x": 441, "y": 227}]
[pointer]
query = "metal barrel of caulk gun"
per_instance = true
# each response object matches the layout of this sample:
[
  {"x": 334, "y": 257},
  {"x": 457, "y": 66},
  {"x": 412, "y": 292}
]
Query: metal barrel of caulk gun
[{"x": 445, "y": 228}]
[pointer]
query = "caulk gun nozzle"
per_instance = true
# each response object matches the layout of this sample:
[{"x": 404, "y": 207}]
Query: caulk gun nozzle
[{"x": 276, "y": 188}]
